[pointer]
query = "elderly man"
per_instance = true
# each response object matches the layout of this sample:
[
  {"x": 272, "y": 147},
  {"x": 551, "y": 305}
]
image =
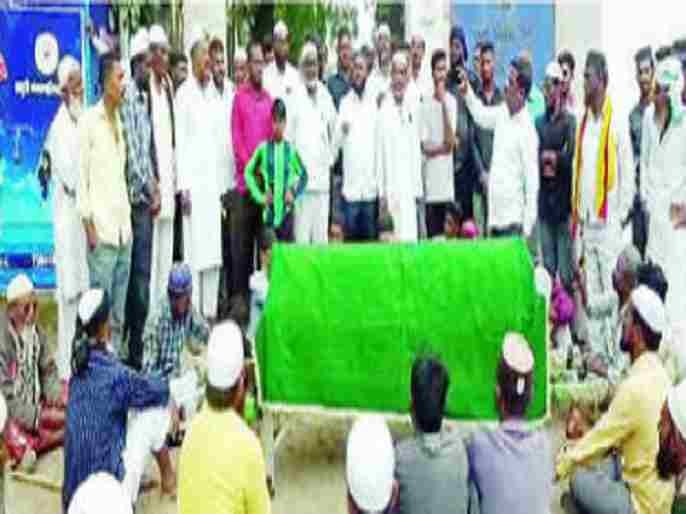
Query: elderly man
[
  {"x": 438, "y": 125},
  {"x": 102, "y": 196},
  {"x": 311, "y": 130},
  {"x": 602, "y": 188},
  {"x": 380, "y": 77},
  {"x": 226, "y": 170},
  {"x": 219, "y": 442},
  {"x": 512, "y": 454},
  {"x": 143, "y": 187},
  {"x": 398, "y": 154},
  {"x": 251, "y": 125},
  {"x": 513, "y": 176},
  {"x": 197, "y": 158},
  {"x": 629, "y": 427},
  {"x": 556, "y": 134},
  {"x": 356, "y": 135},
  {"x": 420, "y": 85},
  {"x": 70, "y": 241},
  {"x": 280, "y": 78},
  {"x": 28, "y": 379},
  {"x": 161, "y": 109},
  {"x": 431, "y": 467},
  {"x": 369, "y": 467},
  {"x": 240, "y": 67},
  {"x": 663, "y": 186}
]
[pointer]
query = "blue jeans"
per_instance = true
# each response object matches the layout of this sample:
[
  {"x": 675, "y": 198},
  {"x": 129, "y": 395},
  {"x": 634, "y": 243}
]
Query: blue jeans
[
  {"x": 556, "y": 246},
  {"x": 360, "y": 220},
  {"x": 109, "y": 267},
  {"x": 600, "y": 489}
]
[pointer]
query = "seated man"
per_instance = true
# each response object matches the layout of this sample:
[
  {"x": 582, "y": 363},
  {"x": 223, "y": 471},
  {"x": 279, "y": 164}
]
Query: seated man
[
  {"x": 369, "y": 467},
  {"x": 221, "y": 465},
  {"x": 431, "y": 467},
  {"x": 259, "y": 282},
  {"x": 598, "y": 483},
  {"x": 28, "y": 379},
  {"x": 513, "y": 454}
]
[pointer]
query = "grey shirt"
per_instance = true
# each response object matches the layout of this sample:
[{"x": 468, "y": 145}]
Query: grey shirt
[
  {"x": 432, "y": 472},
  {"x": 511, "y": 469}
]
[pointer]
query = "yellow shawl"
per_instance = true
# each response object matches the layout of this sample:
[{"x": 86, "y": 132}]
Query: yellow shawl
[{"x": 606, "y": 165}]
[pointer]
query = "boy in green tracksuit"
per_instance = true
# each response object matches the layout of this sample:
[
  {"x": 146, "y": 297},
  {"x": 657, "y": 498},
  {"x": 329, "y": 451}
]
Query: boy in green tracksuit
[{"x": 282, "y": 177}]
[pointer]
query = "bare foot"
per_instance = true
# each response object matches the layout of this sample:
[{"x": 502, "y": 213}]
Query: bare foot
[{"x": 169, "y": 484}]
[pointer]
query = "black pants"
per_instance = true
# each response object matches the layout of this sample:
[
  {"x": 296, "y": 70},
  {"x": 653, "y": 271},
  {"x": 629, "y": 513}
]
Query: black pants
[
  {"x": 464, "y": 191},
  {"x": 178, "y": 229},
  {"x": 246, "y": 226},
  {"x": 286, "y": 232},
  {"x": 514, "y": 230},
  {"x": 138, "y": 295},
  {"x": 435, "y": 219},
  {"x": 229, "y": 205}
]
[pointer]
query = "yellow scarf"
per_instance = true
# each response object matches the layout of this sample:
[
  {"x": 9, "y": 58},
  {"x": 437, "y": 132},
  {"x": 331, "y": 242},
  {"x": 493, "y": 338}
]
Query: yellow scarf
[{"x": 606, "y": 165}]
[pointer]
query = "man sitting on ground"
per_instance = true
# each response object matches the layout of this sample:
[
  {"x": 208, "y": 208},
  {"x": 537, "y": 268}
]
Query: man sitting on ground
[
  {"x": 513, "y": 454},
  {"x": 431, "y": 467},
  {"x": 626, "y": 481},
  {"x": 28, "y": 379},
  {"x": 370, "y": 464}
]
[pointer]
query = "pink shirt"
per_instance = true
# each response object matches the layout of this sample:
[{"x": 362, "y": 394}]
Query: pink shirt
[{"x": 251, "y": 124}]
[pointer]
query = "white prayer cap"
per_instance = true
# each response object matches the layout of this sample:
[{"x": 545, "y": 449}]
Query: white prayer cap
[
  {"x": 3, "y": 412},
  {"x": 89, "y": 304},
  {"x": 383, "y": 30},
  {"x": 280, "y": 30},
  {"x": 19, "y": 287},
  {"x": 225, "y": 355},
  {"x": 309, "y": 51},
  {"x": 240, "y": 55},
  {"x": 517, "y": 354},
  {"x": 158, "y": 36},
  {"x": 400, "y": 58},
  {"x": 101, "y": 493},
  {"x": 553, "y": 71},
  {"x": 676, "y": 403},
  {"x": 370, "y": 464},
  {"x": 196, "y": 35},
  {"x": 650, "y": 307},
  {"x": 140, "y": 42},
  {"x": 68, "y": 65}
]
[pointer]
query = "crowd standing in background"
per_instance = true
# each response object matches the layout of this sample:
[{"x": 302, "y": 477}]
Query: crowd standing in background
[{"x": 184, "y": 163}]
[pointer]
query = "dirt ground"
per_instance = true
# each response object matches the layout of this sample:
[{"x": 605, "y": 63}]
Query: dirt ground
[{"x": 309, "y": 474}]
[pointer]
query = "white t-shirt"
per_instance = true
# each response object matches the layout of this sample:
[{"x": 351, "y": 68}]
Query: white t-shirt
[{"x": 438, "y": 171}]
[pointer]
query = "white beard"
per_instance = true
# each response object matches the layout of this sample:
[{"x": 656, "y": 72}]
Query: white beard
[
  {"x": 311, "y": 85},
  {"x": 75, "y": 108}
]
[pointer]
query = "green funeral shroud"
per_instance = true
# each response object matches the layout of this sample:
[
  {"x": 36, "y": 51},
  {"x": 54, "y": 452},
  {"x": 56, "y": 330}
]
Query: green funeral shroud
[{"x": 343, "y": 323}]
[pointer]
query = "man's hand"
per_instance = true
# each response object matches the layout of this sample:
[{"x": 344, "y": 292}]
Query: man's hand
[
  {"x": 289, "y": 198},
  {"x": 577, "y": 424},
  {"x": 463, "y": 83},
  {"x": 91, "y": 236},
  {"x": 155, "y": 202},
  {"x": 175, "y": 420},
  {"x": 677, "y": 214},
  {"x": 186, "y": 203},
  {"x": 549, "y": 158}
]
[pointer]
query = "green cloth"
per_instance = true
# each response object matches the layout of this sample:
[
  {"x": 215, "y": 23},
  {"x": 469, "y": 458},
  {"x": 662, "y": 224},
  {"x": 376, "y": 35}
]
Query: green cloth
[
  {"x": 343, "y": 323},
  {"x": 280, "y": 170},
  {"x": 535, "y": 103}
]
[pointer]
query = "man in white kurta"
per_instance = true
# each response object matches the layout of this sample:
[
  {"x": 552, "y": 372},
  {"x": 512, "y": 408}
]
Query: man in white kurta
[
  {"x": 311, "y": 124},
  {"x": 162, "y": 118},
  {"x": 70, "y": 241},
  {"x": 598, "y": 235},
  {"x": 663, "y": 182},
  {"x": 398, "y": 154},
  {"x": 280, "y": 78},
  {"x": 197, "y": 148}
]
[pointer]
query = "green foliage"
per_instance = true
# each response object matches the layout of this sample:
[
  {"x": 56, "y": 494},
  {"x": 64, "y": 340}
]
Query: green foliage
[{"x": 133, "y": 14}]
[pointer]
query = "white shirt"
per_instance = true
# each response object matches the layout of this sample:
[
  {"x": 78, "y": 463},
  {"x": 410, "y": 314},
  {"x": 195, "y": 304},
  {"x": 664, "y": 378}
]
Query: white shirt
[
  {"x": 359, "y": 175},
  {"x": 378, "y": 83},
  {"x": 438, "y": 171},
  {"x": 162, "y": 130},
  {"x": 226, "y": 168},
  {"x": 621, "y": 197},
  {"x": 281, "y": 85},
  {"x": 311, "y": 125},
  {"x": 513, "y": 178}
]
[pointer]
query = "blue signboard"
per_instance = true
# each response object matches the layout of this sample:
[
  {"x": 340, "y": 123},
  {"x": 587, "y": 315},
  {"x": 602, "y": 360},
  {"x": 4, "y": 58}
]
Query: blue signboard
[{"x": 511, "y": 27}]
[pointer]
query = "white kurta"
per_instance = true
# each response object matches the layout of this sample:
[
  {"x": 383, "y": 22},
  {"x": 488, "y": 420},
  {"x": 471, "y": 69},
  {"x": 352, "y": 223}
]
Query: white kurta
[
  {"x": 663, "y": 182},
  {"x": 399, "y": 164},
  {"x": 163, "y": 231},
  {"x": 197, "y": 146},
  {"x": 70, "y": 240},
  {"x": 281, "y": 85},
  {"x": 226, "y": 167}
]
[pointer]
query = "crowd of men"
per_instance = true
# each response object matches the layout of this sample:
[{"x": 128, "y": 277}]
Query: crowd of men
[{"x": 170, "y": 191}]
